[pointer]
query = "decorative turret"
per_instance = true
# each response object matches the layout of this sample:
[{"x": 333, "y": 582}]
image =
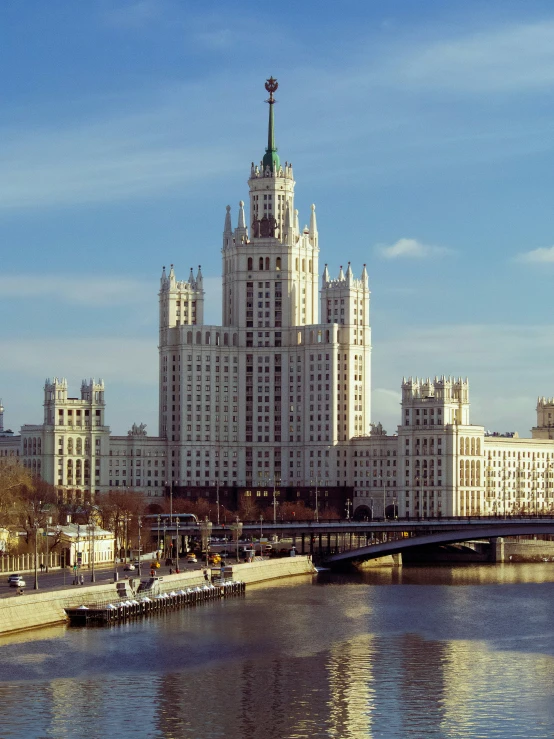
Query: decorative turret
[
  {"x": 227, "y": 229},
  {"x": 199, "y": 278},
  {"x": 545, "y": 419},
  {"x": 313, "y": 227}
]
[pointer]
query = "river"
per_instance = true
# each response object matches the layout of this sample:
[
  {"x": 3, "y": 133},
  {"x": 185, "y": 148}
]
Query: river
[{"x": 414, "y": 653}]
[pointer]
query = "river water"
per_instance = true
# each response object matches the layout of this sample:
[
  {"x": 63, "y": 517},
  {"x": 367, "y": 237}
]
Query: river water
[{"x": 416, "y": 653}]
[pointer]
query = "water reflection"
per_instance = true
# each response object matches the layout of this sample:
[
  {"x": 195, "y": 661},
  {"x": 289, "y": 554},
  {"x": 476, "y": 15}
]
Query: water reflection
[{"x": 349, "y": 659}]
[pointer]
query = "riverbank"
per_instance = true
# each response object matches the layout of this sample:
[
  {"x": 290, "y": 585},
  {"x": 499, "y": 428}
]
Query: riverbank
[{"x": 35, "y": 609}]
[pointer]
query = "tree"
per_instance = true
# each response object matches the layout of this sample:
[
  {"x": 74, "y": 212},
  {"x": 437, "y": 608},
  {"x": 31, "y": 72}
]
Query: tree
[{"x": 14, "y": 481}]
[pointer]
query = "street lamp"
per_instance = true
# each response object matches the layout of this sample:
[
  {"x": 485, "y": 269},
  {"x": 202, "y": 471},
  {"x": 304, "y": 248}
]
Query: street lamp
[
  {"x": 217, "y": 497},
  {"x": 177, "y": 543},
  {"x": 158, "y": 549},
  {"x": 206, "y": 532},
  {"x": 139, "y": 527},
  {"x": 36, "y": 554},
  {"x": 348, "y": 506},
  {"x": 93, "y": 536},
  {"x": 236, "y": 528}
]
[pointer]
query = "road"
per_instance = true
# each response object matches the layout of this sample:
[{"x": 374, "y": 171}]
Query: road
[{"x": 56, "y": 579}]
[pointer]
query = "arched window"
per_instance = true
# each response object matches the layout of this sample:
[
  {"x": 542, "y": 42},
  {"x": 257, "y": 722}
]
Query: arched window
[
  {"x": 461, "y": 445},
  {"x": 278, "y": 263},
  {"x": 478, "y": 446},
  {"x": 198, "y": 337},
  {"x": 296, "y": 266},
  {"x": 461, "y": 472},
  {"x": 303, "y": 265},
  {"x": 70, "y": 446},
  {"x": 467, "y": 446},
  {"x": 87, "y": 446},
  {"x": 225, "y": 339},
  {"x": 267, "y": 262},
  {"x": 235, "y": 339},
  {"x": 79, "y": 446},
  {"x": 78, "y": 472},
  {"x": 310, "y": 265},
  {"x": 261, "y": 265},
  {"x": 208, "y": 337},
  {"x": 39, "y": 446},
  {"x": 189, "y": 337},
  {"x": 473, "y": 446},
  {"x": 249, "y": 263}
]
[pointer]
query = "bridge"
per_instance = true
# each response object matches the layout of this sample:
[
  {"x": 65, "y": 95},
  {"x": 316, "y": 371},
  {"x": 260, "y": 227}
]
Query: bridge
[
  {"x": 448, "y": 532},
  {"x": 343, "y": 542}
]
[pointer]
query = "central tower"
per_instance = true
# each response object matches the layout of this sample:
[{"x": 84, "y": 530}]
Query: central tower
[{"x": 273, "y": 249}]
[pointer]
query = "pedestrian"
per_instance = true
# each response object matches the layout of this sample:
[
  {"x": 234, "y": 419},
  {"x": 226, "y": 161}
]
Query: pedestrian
[
  {"x": 82, "y": 579},
  {"x": 41, "y": 567},
  {"x": 170, "y": 571},
  {"x": 205, "y": 574}
]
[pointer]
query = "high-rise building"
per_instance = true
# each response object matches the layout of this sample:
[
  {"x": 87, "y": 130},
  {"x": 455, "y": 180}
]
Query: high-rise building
[
  {"x": 274, "y": 394},
  {"x": 275, "y": 401}
]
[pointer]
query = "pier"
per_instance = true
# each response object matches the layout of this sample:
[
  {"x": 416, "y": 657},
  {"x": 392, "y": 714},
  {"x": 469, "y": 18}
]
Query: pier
[{"x": 113, "y": 611}]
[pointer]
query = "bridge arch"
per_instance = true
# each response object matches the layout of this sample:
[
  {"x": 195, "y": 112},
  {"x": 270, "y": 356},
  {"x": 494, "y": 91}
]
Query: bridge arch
[{"x": 362, "y": 513}]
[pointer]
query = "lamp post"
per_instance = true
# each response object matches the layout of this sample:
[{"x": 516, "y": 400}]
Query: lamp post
[
  {"x": 177, "y": 544},
  {"x": 36, "y": 554},
  {"x": 348, "y": 505},
  {"x": 206, "y": 532},
  {"x": 47, "y": 568},
  {"x": 139, "y": 527},
  {"x": 237, "y": 531},
  {"x": 217, "y": 497},
  {"x": 384, "y": 496},
  {"x": 93, "y": 536},
  {"x": 158, "y": 549},
  {"x": 316, "y": 511}
]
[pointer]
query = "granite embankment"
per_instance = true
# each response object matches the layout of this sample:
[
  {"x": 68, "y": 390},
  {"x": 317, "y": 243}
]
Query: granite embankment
[{"x": 43, "y": 608}]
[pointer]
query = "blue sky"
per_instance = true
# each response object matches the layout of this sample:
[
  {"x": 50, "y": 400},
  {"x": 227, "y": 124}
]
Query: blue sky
[{"x": 422, "y": 131}]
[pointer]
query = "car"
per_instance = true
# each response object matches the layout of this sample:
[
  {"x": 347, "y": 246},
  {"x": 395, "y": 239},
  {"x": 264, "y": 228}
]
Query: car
[
  {"x": 191, "y": 558},
  {"x": 16, "y": 581},
  {"x": 155, "y": 565},
  {"x": 129, "y": 567}
]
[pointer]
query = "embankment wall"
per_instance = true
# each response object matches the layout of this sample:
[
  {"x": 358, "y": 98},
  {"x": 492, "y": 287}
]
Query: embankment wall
[{"x": 34, "y": 609}]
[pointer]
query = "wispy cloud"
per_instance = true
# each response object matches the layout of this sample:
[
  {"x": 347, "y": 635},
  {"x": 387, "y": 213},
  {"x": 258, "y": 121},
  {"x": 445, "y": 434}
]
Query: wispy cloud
[
  {"x": 114, "y": 359},
  {"x": 411, "y": 249},
  {"x": 75, "y": 289},
  {"x": 133, "y": 14},
  {"x": 516, "y": 57},
  {"x": 120, "y": 157},
  {"x": 542, "y": 255}
]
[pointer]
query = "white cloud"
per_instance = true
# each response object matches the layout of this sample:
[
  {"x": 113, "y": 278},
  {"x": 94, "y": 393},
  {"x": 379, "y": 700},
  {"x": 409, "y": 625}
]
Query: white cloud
[
  {"x": 517, "y": 57},
  {"x": 118, "y": 158},
  {"x": 508, "y": 366},
  {"x": 75, "y": 289},
  {"x": 113, "y": 359},
  {"x": 411, "y": 249},
  {"x": 542, "y": 255},
  {"x": 134, "y": 15}
]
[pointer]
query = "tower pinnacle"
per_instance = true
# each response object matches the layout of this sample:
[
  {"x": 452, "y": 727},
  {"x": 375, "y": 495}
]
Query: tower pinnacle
[{"x": 271, "y": 158}]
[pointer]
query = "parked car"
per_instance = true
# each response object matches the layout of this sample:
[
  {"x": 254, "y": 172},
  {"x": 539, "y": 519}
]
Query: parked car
[
  {"x": 129, "y": 567},
  {"x": 191, "y": 559},
  {"x": 16, "y": 581}
]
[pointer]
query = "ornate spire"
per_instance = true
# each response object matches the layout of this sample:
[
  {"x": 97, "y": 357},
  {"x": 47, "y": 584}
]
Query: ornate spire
[
  {"x": 313, "y": 226},
  {"x": 271, "y": 158},
  {"x": 242, "y": 219},
  {"x": 228, "y": 228}
]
